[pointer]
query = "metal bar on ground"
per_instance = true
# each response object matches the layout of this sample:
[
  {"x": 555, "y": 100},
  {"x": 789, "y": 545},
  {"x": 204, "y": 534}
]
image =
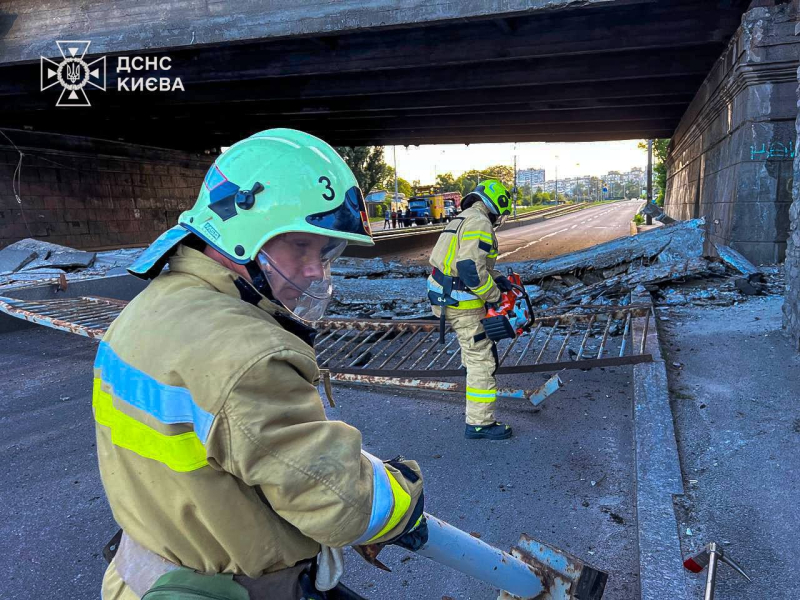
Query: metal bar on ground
[
  {"x": 528, "y": 345},
  {"x": 424, "y": 354},
  {"x": 546, "y": 342},
  {"x": 414, "y": 349},
  {"x": 333, "y": 344},
  {"x": 508, "y": 349},
  {"x": 586, "y": 337},
  {"x": 603, "y": 341},
  {"x": 566, "y": 341},
  {"x": 644, "y": 333},
  {"x": 625, "y": 336},
  {"x": 442, "y": 351},
  {"x": 364, "y": 341},
  {"x": 406, "y": 343},
  {"x": 378, "y": 341},
  {"x": 452, "y": 357}
]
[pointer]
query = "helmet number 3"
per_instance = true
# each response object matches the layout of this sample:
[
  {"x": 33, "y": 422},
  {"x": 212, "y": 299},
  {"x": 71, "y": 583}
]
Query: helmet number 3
[{"x": 328, "y": 194}]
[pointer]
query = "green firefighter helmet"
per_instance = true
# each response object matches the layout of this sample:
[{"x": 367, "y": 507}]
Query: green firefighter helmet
[
  {"x": 494, "y": 195},
  {"x": 274, "y": 182},
  {"x": 282, "y": 203}
]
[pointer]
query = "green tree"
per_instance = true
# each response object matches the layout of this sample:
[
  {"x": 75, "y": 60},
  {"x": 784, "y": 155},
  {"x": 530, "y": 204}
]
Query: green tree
[
  {"x": 403, "y": 187},
  {"x": 660, "y": 151},
  {"x": 367, "y": 165},
  {"x": 447, "y": 183}
]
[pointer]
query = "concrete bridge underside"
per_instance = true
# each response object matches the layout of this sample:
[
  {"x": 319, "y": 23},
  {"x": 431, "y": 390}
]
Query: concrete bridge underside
[{"x": 376, "y": 72}]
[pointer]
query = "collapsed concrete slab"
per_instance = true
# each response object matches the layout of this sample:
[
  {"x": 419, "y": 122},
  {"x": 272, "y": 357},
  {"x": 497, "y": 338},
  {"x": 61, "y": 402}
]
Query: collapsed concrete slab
[
  {"x": 64, "y": 259},
  {"x": 13, "y": 259},
  {"x": 659, "y": 272},
  {"x": 684, "y": 240},
  {"x": 736, "y": 261}
]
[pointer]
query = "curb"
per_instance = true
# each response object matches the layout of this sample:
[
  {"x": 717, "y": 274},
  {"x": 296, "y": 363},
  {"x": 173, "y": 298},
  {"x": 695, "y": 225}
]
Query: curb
[{"x": 658, "y": 476}]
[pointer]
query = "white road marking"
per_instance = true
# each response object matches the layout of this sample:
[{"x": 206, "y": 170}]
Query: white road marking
[{"x": 529, "y": 244}]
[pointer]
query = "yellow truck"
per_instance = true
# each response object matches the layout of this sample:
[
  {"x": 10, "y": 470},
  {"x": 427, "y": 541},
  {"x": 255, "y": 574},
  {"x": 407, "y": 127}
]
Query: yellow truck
[{"x": 428, "y": 208}]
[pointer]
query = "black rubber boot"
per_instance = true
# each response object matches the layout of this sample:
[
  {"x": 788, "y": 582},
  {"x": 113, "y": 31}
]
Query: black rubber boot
[{"x": 495, "y": 431}]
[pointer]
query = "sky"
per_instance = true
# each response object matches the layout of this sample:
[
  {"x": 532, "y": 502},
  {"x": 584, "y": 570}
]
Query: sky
[{"x": 573, "y": 159}]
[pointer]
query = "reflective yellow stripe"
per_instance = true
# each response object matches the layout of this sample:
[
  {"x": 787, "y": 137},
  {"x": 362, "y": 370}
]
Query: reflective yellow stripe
[
  {"x": 451, "y": 253},
  {"x": 469, "y": 304},
  {"x": 477, "y": 235},
  {"x": 485, "y": 287},
  {"x": 182, "y": 452},
  {"x": 492, "y": 255},
  {"x": 481, "y": 396},
  {"x": 401, "y": 503}
]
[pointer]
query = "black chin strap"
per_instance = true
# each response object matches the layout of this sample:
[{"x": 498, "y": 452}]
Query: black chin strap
[{"x": 260, "y": 281}]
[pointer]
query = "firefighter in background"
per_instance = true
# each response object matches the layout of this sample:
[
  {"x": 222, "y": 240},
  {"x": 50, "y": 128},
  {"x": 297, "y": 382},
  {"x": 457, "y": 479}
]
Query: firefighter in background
[
  {"x": 463, "y": 282},
  {"x": 213, "y": 445}
]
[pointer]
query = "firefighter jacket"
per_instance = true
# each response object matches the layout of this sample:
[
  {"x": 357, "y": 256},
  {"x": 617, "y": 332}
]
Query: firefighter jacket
[
  {"x": 213, "y": 445},
  {"x": 467, "y": 251}
]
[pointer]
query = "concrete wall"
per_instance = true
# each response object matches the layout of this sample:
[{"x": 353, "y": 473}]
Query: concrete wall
[
  {"x": 92, "y": 194},
  {"x": 731, "y": 156},
  {"x": 791, "y": 305}
]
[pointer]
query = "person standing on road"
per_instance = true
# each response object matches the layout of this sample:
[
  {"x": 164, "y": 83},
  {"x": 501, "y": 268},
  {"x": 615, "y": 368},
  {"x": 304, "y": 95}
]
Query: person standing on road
[
  {"x": 385, "y": 217},
  {"x": 214, "y": 449},
  {"x": 462, "y": 284},
  {"x": 394, "y": 219}
]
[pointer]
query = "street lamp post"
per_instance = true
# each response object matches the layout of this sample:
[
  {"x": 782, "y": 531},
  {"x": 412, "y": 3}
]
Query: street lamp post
[
  {"x": 649, "y": 178},
  {"x": 556, "y": 179}
]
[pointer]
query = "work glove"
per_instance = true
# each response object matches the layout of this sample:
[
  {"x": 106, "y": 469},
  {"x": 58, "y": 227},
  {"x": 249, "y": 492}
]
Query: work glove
[
  {"x": 503, "y": 284},
  {"x": 415, "y": 533}
]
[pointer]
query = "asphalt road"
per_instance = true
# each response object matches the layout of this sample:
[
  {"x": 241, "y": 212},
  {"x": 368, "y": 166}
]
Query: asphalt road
[
  {"x": 555, "y": 236},
  {"x": 565, "y": 478}
]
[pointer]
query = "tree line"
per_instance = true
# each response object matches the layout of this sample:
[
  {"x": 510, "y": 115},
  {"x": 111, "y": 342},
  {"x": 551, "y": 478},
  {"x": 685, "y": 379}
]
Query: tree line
[{"x": 373, "y": 173}]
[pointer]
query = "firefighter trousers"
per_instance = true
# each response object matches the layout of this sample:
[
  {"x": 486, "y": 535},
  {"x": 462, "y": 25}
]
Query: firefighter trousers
[{"x": 479, "y": 358}]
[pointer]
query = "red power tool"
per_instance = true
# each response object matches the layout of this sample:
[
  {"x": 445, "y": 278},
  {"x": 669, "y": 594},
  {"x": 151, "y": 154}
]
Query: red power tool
[{"x": 513, "y": 316}]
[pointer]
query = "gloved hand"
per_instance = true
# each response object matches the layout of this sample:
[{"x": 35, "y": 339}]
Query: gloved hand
[
  {"x": 503, "y": 284},
  {"x": 415, "y": 533}
]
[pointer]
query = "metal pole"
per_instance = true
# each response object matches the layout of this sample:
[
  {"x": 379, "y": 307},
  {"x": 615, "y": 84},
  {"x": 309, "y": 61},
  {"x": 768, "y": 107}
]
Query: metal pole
[
  {"x": 458, "y": 550},
  {"x": 556, "y": 179},
  {"x": 515, "y": 184},
  {"x": 711, "y": 579},
  {"x": 649, "y": 218},
  {"x": 649, "y": 171}
]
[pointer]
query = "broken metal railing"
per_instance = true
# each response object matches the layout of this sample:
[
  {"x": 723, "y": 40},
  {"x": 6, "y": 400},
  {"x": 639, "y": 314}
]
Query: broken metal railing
[{"x": 407, "y": 353}]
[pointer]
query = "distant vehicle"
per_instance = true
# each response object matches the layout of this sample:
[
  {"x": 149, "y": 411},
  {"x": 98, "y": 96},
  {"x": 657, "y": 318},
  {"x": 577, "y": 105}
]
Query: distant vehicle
[
  {"x": 427, "y": 209},
  {"x": 449, "y": 210},
  {"x": 454, "y": 197}
]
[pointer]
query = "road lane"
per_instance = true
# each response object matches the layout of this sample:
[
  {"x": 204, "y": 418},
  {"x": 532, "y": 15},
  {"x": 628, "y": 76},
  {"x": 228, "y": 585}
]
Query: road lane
[{"x": 555, "y": 236}]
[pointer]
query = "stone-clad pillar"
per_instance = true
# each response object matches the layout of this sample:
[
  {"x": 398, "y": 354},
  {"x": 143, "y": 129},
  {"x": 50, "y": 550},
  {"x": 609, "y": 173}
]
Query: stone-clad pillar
[
  {"x": 791, "y": 305},
  {"x": 731, "y": 157}
]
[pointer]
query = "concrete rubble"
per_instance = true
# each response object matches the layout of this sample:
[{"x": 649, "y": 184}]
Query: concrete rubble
[
  {"x": 29, "y": 261},
  {"x": 667, "y": 261}
]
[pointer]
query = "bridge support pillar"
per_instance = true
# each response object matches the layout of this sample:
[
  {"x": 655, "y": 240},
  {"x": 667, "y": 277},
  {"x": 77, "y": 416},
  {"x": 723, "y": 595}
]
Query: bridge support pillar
[{"x": 731, "y": 158}]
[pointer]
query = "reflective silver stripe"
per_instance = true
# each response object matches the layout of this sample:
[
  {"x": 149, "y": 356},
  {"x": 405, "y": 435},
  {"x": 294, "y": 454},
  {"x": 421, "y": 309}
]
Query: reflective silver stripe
[
  {"x": 382, "y": 500},
  {"x": 459, "y": 295}
]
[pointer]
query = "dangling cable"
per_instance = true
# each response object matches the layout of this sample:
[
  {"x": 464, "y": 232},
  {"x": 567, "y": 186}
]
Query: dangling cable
[{"x": 16, "y": 182}]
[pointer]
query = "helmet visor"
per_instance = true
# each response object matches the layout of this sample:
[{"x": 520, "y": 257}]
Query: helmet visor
[{"x": 298, "y": 269}]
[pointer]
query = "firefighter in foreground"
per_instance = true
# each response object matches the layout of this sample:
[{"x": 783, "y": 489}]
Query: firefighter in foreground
[
  {"x": 462, "y": 285},
  {"x": 215, "y": 453}
]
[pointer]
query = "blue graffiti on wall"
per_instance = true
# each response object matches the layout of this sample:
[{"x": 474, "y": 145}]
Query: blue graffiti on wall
[{"x": 775, "y": 150}]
